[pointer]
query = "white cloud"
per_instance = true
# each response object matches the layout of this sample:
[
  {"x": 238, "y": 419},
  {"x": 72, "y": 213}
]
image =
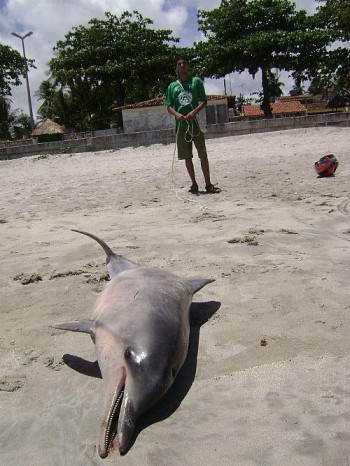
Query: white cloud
[{"x": 50, "y": 20}]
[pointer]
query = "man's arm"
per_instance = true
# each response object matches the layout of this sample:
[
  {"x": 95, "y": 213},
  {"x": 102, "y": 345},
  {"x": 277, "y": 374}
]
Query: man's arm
[
  {"x": 176, "y": 114},
  {"x": 192, "y": 115}
]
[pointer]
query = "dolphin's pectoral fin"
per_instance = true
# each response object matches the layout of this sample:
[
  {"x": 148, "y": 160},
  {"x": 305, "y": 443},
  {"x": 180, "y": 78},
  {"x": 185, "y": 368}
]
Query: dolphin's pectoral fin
[
  {"x": 197, "y": 283},
  {"x": 78, "y": 326}
]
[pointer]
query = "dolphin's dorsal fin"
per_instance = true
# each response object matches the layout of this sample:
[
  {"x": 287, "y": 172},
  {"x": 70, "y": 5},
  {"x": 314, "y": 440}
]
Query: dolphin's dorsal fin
[
  {"x": 197, "y": 283},
  {"x": 115, "y": 263},
  {"x": 84, "y": 326}
]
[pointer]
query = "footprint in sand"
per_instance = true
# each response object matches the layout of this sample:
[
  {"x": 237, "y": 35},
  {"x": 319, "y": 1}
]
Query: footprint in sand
[{"x": 10, "y": 383}]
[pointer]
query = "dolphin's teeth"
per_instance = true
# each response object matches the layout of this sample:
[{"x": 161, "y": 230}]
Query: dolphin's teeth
[{"x": 109, "y": 433}]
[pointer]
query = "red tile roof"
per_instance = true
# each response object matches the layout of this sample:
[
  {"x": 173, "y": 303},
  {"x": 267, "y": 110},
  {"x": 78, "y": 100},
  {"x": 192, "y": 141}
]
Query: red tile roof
[
  {"x": 316, "y": 106},
  {"x": 278, "y": 108},
  {"x": 160, "y": 101},
  {"x": 146, "y": 103},
  {"x": 301, "y": 98}
]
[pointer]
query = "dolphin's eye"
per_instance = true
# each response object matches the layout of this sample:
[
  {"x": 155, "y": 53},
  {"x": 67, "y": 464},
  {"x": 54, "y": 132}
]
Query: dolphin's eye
[
  {"x": 128, "y": 353},
  {"x": 134, "y": 358}
]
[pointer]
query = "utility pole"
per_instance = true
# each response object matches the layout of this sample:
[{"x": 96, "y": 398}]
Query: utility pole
[{"x": 26, "y": 75}]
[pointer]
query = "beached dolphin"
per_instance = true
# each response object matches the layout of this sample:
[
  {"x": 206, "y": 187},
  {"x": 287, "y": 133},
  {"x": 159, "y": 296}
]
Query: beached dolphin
[{"x": 140, "y": 327}]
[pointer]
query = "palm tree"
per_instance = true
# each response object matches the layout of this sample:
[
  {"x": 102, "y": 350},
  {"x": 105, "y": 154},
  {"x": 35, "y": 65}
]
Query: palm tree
[
  {"x": 7, "y": 117},
  {"x": 21, "y": 127},
  {"x": 46, "y": 92}
]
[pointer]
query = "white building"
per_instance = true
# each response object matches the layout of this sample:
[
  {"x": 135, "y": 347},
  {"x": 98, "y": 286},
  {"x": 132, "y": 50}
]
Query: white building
[{"x": 152, "y": 114}]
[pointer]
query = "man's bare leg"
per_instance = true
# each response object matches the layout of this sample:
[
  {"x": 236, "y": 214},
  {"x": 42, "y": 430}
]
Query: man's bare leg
[
  {"x": 190, "y": 170},
  {"x": 210, "y": 188},
  {"x": 205, "y": 170}
]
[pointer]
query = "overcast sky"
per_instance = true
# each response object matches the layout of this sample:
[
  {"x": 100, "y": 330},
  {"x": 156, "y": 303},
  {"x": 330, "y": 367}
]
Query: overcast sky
[{"x": 50, "y": 20}]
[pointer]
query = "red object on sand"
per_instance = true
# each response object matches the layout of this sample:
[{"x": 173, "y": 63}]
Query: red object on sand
[{"x": 326, "y": 166}]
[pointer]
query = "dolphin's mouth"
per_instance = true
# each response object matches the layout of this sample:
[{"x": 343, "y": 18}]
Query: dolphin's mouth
[{"x": 112, "y": 421}]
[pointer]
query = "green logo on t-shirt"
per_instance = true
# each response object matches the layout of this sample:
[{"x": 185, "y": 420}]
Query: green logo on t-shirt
[{"x": 185, "y": 98}]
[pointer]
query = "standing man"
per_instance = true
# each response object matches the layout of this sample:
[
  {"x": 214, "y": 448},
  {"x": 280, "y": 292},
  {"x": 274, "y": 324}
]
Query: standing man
[{"x": 184, "y": 99}]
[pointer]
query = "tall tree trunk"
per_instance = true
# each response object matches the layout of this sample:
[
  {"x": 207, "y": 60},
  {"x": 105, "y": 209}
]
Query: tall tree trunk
[
  {"x": 265, "y": 105},
  {"x": 4, "y": 119}
]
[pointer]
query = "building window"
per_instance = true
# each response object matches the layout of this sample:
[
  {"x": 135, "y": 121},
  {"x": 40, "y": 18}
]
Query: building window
[
  {"x": 210, "y": 114},
  {"x": 222, "y": 113}
]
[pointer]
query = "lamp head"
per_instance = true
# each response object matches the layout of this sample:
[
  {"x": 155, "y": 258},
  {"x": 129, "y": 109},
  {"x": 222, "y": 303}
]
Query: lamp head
[{"x": 22, "y": 37}]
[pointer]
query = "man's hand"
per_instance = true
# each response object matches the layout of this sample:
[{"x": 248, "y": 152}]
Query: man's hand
[
  {"x": 180, "y": 117},
  {"x": 190, "y": 116}
]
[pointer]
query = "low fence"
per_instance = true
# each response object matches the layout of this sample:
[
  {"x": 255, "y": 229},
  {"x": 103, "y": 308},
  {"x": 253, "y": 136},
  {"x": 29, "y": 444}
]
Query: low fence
[{"x": 91, "y": 143}]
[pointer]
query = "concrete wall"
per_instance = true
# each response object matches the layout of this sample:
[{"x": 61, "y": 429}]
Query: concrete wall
[
  {"x": 156, "y": 117},
  {"x": 279, "y": 124},
  {"x": 166, "y": 136},
  {"x": 146, "y": 118}
]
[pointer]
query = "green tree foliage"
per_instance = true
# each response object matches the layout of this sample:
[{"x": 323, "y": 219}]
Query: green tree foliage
[
  {"x": 333, "y": 74},
  {"x": 11, "y": 69},
  {"x": 5, "y": 118},
  {"x": 260, "y": 35},
  {"x": 334, "y": 71},
  {"x": 46, "y": 92},
  {"x": 56, "y": 103},
  {"x": 335, "y": 15},
  {"x": 112, "y": 62},
  {"x": 12, "y": 124},
  {"x": 21, "y": 127},
  {"x": 274, "y": 86},
  {"x": 11, "y": 73}
]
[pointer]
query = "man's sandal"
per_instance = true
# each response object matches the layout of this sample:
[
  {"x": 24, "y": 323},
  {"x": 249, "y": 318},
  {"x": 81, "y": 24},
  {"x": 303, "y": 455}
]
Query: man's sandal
[
  {"x": 194, "y": 189},
  {"x": 211, "y": 189}
]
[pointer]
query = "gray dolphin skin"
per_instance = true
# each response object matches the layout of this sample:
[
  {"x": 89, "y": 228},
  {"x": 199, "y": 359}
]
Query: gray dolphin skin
[{"x": 140, "y": 327}]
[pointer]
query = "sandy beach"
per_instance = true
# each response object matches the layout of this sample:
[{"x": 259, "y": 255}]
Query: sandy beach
[{"x": 267, "y": 379}]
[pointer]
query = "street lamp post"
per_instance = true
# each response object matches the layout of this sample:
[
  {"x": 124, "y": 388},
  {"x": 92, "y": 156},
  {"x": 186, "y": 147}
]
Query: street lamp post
[{"x": 26, "y": 75}]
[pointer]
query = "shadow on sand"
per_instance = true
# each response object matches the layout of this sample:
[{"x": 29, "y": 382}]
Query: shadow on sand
[{"x": 200, "y": 314}]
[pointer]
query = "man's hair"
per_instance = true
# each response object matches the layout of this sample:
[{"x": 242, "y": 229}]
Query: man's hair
[{"x": 182, "y": 57}]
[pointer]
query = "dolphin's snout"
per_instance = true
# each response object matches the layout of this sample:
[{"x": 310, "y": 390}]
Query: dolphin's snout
[
  {"x": 125, "y": 436},
  {"x": 126, "y": 425},
  {"x": 102, "y": 451},
  {"x": 110, "y": 421}
]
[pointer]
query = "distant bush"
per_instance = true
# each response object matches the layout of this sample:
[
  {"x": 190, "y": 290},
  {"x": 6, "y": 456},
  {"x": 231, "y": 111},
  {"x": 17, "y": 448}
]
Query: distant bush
[{"x": 49, "y": 137}]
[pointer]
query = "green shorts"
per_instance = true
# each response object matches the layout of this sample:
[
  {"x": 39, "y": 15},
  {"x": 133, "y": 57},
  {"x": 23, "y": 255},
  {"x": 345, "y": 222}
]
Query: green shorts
[{"x": 185, "y": 147}]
